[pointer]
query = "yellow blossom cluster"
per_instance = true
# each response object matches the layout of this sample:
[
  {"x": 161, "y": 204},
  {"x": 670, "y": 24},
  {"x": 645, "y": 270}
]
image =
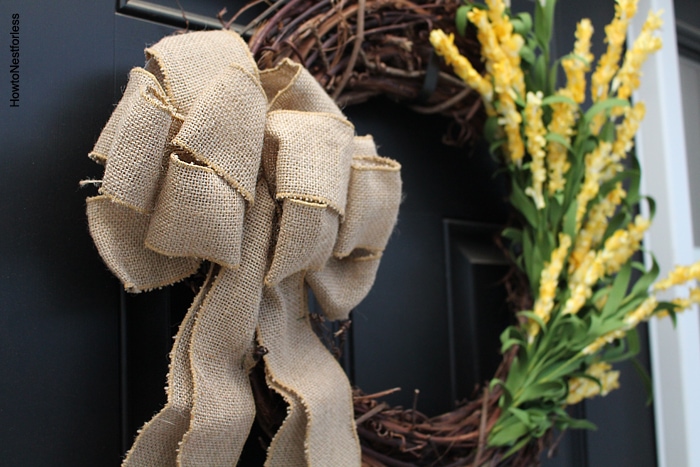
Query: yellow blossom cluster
[
  {"x": 596, "y": 162},
  {"x": 564, "y": 114},
  {"x": 642, "y": 313},
  {"x": 618, "y": 249},
  {"x": 579, "y": 64},
  {"x": 624, "y": 139},
  {"x": 445, "y": 47},
  {"x": 627, "y": 79},
  {"x": 592, "y": 232},
  {"x": 615, "y": 34},
  {"x": 535, "y": 133},
  {"x": 549, "y": 281},
  {"x": 623, "y": 244},
  {"x": 603, "y": 340},
  {"x": 504, "y": 81},
  {"x": 680, "y": 275},
  {"x": 685, "y": 303},
  {"x": 582, "y": 388}
]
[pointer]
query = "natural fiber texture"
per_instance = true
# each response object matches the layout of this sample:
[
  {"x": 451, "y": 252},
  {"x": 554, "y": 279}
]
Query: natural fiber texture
[{"x": 260, "y": 174}]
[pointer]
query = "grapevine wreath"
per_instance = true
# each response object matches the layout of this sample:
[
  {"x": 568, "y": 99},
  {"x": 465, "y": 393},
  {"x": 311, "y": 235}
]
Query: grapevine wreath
[{"x": 574, "y": 186}]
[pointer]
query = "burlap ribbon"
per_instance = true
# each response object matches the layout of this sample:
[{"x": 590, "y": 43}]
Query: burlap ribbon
[{"x": 206, "y": 158}]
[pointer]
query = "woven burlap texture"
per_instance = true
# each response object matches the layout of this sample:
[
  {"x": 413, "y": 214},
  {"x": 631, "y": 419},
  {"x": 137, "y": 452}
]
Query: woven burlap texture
[{"x": 261, "y": 175}]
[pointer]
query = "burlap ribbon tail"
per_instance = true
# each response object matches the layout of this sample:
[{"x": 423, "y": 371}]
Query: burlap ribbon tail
[{"x": 260, "y": 174}]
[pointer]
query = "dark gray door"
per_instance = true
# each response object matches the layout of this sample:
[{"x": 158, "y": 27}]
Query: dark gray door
[{"x": 82, "y": 365}]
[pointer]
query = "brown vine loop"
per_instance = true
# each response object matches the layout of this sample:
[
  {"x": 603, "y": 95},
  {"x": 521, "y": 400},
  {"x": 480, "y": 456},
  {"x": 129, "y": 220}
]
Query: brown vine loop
[{"x": 359, "y": 49}]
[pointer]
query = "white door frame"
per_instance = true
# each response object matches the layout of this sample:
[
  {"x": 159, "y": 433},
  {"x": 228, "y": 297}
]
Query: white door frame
[{"x": 675, "y": 354}]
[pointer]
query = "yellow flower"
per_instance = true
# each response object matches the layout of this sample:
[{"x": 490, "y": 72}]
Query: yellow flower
[
  {"x": 602, "y": 340},
  {"x": 563, "y": 120},
  {"x": 582, "y": 388},
  {"x": 499, "y": 45},
  {"x": 615, "y": 34},
  {"x": 617, "y": 251},
  {"x": 535, "y": 133},
  {"x": 642, "y": 313},
  {"x": 623, "y": 244},
  {"x": 627, "y": 79},
  {"x": 679, "y": 276},
  {"x": 549, "y": 279},
  {"x": 592, "y": 232},
  {"x": 624, "y": 140},
  {"x": 683, "y": 303},
  {"x": 582, "y": 280},
  {"x": 510, "y": 120},
  {"x": 577, "y": 66},
  {"x": 445, "y": 47},
  {"x": 596, "y": 162}
]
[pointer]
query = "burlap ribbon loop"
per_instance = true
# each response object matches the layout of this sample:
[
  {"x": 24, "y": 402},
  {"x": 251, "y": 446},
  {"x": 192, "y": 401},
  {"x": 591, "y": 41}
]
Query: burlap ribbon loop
[{"x": 259, "y": 173}]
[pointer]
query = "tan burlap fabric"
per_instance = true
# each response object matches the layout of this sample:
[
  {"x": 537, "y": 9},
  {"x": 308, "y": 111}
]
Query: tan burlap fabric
[{"x": 206, "y": 158}]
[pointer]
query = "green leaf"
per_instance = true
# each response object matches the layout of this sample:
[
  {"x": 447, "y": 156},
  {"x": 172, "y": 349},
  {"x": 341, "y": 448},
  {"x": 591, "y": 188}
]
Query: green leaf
[
  {"x": 491, "y": 128},
  {"x": 618, "y": 291},
  {"x": 535, "y": 318},
  {"x": 602, "y": 106},
  {"x": 607, "y": 133},
  {"x": 646, "y": 380},
  {"x": 643, "y": 283},
  {"x": 523, "y": 203},
  {"x": 522, "y": 23},
  {"x": 551, "y": 390},
  {"x": 493, "y": 147},
  {"x": 544, "y": 16},
  {"x": 512, "y": 234},
  {"x": 617, "y": 222},
  {"x": 652, "y": 206},
  {"x": 569, "y": 227},
  {"x": 558, "y": 99},
  {"x": 539, "y": 77},
  {"x": 527, "y": 55},
  {"x": 517, "y": 447},
  {"x": 510, "y": 431},
  {"x": 557, "y": 138},
  {"x": 461, "y": 19},
  {"x": 624, "y": 352},
  {"x": 581, "y": 424},
  {"x": 555, "y": 209}
]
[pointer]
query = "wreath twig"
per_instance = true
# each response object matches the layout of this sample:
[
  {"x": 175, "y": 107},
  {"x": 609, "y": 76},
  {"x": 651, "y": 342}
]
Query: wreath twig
[{"x": 359, "y": 49}]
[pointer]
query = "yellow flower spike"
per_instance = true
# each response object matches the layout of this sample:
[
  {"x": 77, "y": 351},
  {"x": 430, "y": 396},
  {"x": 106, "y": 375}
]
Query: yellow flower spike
[
  {"x": 563, "y": 114},
  {"x": 627, "y": 79},
  {"x": 583, "y": 388},
  {"x": 576, "y": 67},
  {"x": 490, "y": 48},
  {"x": 602, "y": 341},
  {"x": 683, "y": 303},
  {"x": 549, "y": 278},
  {"x": 596, "y": 162},
  {"x": 499, "y": 47},
  {"x": 620, "y": 247},
  {"x": 535, "y": 133},
  {"x": 626, "y": 130},
  {"x": 615, "y": 34},
  {"x": 642, "y": 313},
  {"x": 510, "y": 119},
  {"x": 590, "y": 270},
  {"x": 592, "y": 232},
  {"x": 445, "y": 47},
  {"x": 680, "y": 275}
]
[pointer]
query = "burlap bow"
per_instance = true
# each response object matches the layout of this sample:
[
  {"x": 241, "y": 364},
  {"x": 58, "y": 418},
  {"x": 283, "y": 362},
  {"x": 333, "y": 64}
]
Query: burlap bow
[{"x": 206, "y": 158}]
